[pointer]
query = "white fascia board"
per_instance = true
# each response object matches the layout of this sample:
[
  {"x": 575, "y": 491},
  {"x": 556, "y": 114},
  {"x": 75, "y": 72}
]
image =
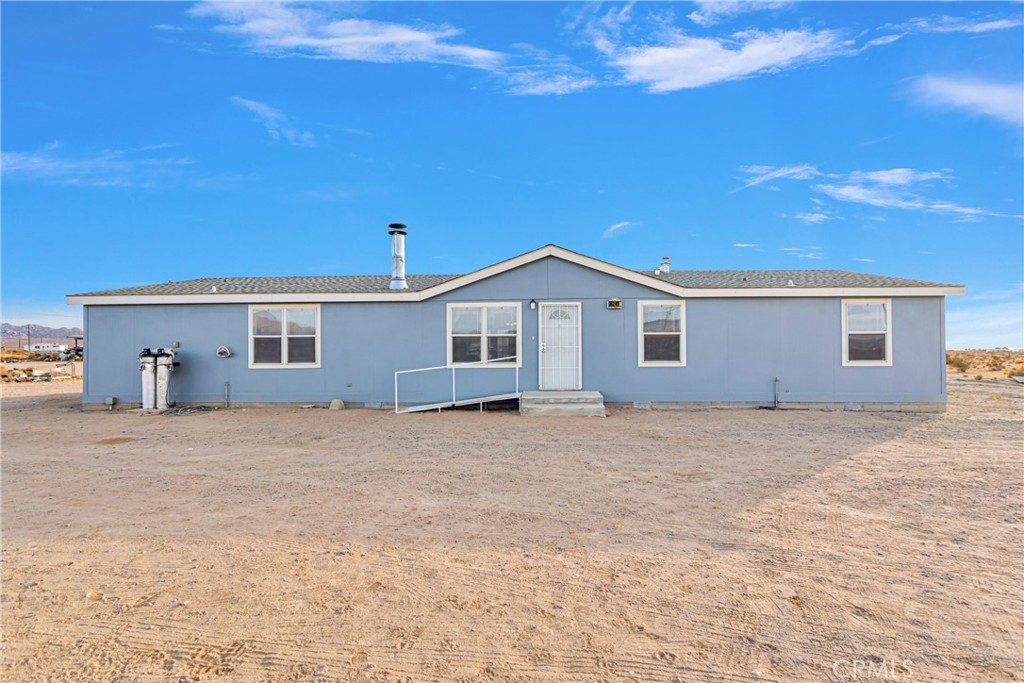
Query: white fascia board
[
  {"x": 820, "y": 292},
  {"x": 241, "y": 298}
]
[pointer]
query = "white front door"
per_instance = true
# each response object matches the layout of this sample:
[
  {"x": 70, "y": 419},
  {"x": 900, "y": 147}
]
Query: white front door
[{"x": 560, "y": 334}]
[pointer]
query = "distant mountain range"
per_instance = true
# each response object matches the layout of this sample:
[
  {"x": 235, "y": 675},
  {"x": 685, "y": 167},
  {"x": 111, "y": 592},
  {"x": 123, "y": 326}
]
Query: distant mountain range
[{"x": 39, "y": 332}]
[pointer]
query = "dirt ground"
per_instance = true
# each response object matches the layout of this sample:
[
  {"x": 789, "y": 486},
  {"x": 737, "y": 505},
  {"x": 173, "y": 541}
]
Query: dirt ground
[{"x": 311, "y": 545}]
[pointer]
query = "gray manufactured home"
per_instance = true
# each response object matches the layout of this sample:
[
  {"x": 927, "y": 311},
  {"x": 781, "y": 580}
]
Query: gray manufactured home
[{"x": 548, "y": 320}]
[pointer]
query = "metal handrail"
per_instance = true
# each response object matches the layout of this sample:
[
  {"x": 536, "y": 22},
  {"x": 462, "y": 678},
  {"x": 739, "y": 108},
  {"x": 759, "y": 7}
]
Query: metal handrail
[{"x": 453, "y": 368}]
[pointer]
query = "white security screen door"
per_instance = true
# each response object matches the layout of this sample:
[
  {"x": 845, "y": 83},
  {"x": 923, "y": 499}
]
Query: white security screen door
[{"x": 560, "y": 368}]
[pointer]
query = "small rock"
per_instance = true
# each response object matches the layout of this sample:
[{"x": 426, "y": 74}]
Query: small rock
[
  {"x": 337, "y": 404},
  {"x": 756, "y": 673},
  {"x": 322, "y": 671}
]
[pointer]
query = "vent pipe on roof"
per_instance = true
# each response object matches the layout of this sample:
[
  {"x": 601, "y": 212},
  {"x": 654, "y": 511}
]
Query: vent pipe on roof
[
  {"x": 397, "y": 232},
  {"x": 665, "y": 267}
]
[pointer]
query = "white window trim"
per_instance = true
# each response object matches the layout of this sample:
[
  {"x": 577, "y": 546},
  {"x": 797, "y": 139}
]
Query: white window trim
[
  {"x": 284, "y": 341},
  {"x": 846, "y": 337},
  {"x": 640, "y": 334},
  {"x": 483, "y": 323}
]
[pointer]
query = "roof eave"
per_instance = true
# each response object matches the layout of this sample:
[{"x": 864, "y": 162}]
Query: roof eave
[{"x": 356, "y": 297}]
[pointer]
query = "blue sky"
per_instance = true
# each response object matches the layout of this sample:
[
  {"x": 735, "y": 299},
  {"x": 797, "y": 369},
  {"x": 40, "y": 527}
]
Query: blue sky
[{"x": 154, "y": 141}]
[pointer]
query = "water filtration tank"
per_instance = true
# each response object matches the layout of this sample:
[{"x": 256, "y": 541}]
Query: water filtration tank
[{"x": 156, "y": 366}]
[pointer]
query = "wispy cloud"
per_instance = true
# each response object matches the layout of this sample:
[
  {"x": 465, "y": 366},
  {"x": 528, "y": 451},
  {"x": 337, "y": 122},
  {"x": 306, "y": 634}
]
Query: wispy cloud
[
  {"x": 684, "y": 61},
  {"x": 882, "y": 40},
  {"x": 544, "y": 73},
  {"x": 743, "y": 245},
  {"x": 649, "y": 50},
  {"x": 1003, "y": 101},
  {"x": 710, "y": 12},
  {"x": 812, "y": 253},
  {"x": 867, "y": 194},
  {"x": 941, "y": 24},
  {"x": 617, "y": 228},
  {"x": 763, "y": 174},
  {"x": 947, "y": 24},
  {"x": 532, "y": 82},
  {"x": 899, "y": 176},
  {"x": 813, "y": 217},
  {"x": 603, "y": 30},
  {"x": 888, "y": 198},
  {"x": 276, "y": 123},
  {"x": 863, "y": 260},
  {"x": 320, "y": 32},
  {"x": 893, "y": 188},
  {"x": 346, "y": 129},
  {"x": 137, "y": 167}
]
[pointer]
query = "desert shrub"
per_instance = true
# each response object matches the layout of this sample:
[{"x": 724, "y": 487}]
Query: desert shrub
[
  {"x": 978, "y": 377},
  {"x": 959, "y": 362},
  {"x": 1015, "y": 371}
]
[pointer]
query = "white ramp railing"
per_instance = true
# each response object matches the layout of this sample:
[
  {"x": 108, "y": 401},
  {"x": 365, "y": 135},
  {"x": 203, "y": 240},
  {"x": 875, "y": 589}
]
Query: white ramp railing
[{"x": 456, "y": 401}]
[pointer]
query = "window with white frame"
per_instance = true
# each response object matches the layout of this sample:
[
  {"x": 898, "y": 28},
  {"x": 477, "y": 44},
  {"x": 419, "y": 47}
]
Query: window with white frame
[
  {"x": 867, "y": 332},
  {"x": 483, "y": 333},
  {"x": 284, "y": 336},
  {"x": 661, "y": 329}
]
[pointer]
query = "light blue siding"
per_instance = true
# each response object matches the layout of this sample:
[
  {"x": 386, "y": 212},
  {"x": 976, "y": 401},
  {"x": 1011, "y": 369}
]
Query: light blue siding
[{"x": 735, "y": 348}]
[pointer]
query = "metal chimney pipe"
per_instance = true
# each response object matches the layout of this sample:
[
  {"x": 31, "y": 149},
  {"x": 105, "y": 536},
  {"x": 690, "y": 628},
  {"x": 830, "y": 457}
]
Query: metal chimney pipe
[
  {"x": 666, "y": 267},
  {"x": 397, "y": 232}
]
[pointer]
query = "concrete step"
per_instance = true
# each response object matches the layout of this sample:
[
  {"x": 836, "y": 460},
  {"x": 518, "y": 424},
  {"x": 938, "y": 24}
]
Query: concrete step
[{"x": 587, "y": 403}]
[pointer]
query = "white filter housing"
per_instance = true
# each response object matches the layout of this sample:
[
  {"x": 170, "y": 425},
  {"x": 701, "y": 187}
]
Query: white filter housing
[
  {"x": 163, "y": 378},
  {"x": 148, "y": 368}
]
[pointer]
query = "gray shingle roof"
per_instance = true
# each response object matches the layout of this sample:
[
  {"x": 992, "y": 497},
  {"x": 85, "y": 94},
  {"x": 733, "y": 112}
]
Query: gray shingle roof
[
  {"x": 718, "y": 279},
  {"x": 350, "y": 284},
  {"x": 315, "y": 284}
]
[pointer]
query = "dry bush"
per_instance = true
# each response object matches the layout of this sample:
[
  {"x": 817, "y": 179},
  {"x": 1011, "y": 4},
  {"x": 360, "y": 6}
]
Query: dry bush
[
  {"x": 993, "y": 363},
  {"x": 957, "y": 361}
]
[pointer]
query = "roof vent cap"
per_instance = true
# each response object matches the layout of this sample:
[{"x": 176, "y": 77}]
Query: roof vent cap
[{"x": 397, "y": 232}]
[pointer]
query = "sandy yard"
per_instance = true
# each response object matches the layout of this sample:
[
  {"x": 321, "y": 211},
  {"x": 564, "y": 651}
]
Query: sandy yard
[{"x": 310, "y": 545}]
